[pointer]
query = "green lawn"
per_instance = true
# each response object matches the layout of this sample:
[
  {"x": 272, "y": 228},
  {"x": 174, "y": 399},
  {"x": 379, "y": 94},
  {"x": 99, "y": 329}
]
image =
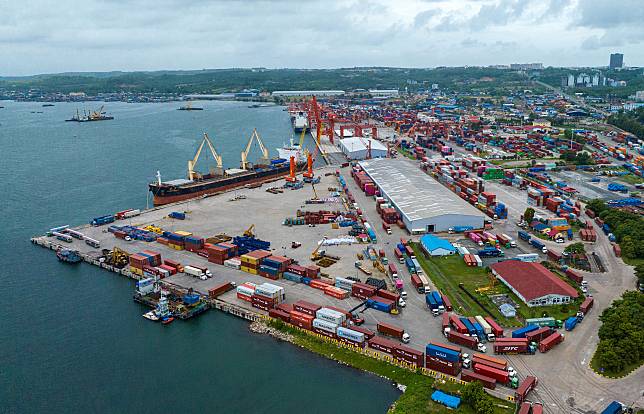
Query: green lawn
[
  {"x": 415, "y": 400},
  {"x": 448, "y": 271},
  {"x": 631, "y": 179},
  {"x": 633, "y": 262}
]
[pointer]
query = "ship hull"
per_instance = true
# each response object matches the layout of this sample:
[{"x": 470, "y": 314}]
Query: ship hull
[{"x": 215, "y": 187}]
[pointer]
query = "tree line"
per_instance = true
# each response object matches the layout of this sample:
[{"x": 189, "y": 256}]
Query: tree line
[
  {"x": 631, "y": 121},
  {"x": 627, "y": 227}
]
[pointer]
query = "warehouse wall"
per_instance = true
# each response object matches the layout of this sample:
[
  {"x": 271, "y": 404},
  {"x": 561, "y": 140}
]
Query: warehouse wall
[{"x": 444, "y": 222}]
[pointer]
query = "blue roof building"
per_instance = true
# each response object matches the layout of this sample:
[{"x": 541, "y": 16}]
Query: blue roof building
[{"x": 435, "y": 246}]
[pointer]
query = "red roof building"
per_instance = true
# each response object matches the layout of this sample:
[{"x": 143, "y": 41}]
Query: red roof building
[{"x": 533, "y": 283}]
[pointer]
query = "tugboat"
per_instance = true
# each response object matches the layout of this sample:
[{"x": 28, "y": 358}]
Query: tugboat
[
  {"x": 68, "y": 256},
  {"x": 152, "y": 316},
  {"x": 161, "y": 313}
]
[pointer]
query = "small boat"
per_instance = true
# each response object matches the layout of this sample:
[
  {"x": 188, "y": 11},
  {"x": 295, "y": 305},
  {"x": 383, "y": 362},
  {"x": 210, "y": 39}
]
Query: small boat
[
  {"x": 46, "y": 105},
  {"x": 168, "y": 320},
  {"x": 152, "y": 316},
  {"x": 68, "y": 256}
]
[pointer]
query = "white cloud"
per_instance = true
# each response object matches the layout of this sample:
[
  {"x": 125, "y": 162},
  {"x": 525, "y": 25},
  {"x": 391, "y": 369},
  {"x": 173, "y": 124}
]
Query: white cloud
[{"x": 174, "y": 34}]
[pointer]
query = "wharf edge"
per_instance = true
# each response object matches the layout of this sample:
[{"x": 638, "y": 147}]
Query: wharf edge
[{"x": 257, "y": 317}]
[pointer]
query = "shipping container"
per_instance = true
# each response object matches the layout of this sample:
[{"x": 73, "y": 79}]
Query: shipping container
[
  {"x": 537, "y": 408},
  {"x": 586, "y": 305},
  {"x": 496, "y": 329},
  {"x": 538, "y": 335},
  {"x": 499, "y": 375},
  {"x": 409, "y": 355},
  {"x": 306, "y": 307},
  {"x": 525, "y": 387},
  {"x": 382, "y": 344},
  {"x": 444, "y": 366},
  {"x": 521, "y": 332},
  {"x": 458, "y": 338},
  {"x": 525, "y": 408},
  {"x": 485, "y": 359},
  {"x": 469, "y": 376},
  {"x": 279, "y": 314},
  {"x": 390, "y": 330},
  {"x": 458, "y": 325},
  {"x": 511, "y": 347},
  {"x": 368, "y": 333},
  {"x": 220, "y": 289},
  {"x": 550, "y": 341}
]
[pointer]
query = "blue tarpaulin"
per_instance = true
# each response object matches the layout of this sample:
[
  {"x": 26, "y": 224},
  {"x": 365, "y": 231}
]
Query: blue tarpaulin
[{"x": 446, "y": 399}]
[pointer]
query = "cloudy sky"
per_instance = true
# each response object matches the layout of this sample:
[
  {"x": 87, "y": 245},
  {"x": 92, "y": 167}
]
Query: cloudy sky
[{"x": 38, "y": 36}]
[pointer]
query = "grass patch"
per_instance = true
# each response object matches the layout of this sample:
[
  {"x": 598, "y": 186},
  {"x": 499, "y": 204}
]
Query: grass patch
[
  {"x": 631, "y": 179},
  {"x": 609, "y": 374},
  {"x": 406, "y": 153},
  {"x": 633, "y": 261},
  {"x": 416, "y": 399},
  {"x": 448, "y": 271}
]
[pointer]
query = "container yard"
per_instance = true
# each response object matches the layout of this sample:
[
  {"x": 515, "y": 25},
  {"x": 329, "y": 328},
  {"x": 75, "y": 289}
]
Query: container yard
[{"x": 333, "y": 253}]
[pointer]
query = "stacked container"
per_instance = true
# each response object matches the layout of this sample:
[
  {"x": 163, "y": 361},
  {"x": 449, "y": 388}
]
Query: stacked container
[
  {"x": 331, "y": 315},
  {"x": 193, "y": 243},
  {"x": 270, "y": 291},
  {"x": 445, "y": 359},
  {"x": 273, "y": 267},
  {"x": 303, "y": 320},
  {"x": 246, "y": 291},
  {"x": 251, "y": 261},
  {"x": 351, "y": 336},
  {"x": 306, "y": 307}
]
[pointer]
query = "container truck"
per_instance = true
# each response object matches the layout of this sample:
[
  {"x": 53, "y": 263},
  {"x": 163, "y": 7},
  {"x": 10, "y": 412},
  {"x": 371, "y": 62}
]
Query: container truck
[
  {"x": 489, "y": 335},
  {"x": 447, "y": 303},
  {"x": 551, "y": 322},
  {"x": 538, "y": 335},
  {"x": 417, "y": 283},
  {"x": 487, "y": 382},
  {"x": 496, "y": 329},
  {"x": 539, "y": 245},
  {"x": 492, "y": 361},
  {"x": 480, "y": 333},
  {"x": 458, "y": 325},
  {"x": 460, "y": 229},
  {"x": 526, "y": 386},
  {"x": 519, "y": 346},
  {"x": 614, "y": 408},
  {"x": 524, "y": 235},
  {"x": 550, "y": 341},
  {"x": 439, "y": 300},
  {"x": 393, "y": 331},
  {"x": 386, "y": 227},
  {"x": 432, "y": 304},
  {"x": 471, "y": 342},
  {"x": 203, "y": 269},
  {"x": 470, "y": 328},
  {"x": 491, "y": 252},
  {"x": 423, "y": 279},
  {"x": 196, "y": 272},
  {"x": 521, "y": 332},
  {"x": 399, "y": 255},
  {"x": 586, "y": 305},
  {"x": 571, "y": 323},
  {"x": 500, "y": 376},
  {"x": 528, "y": 257},
  {"x": 410, "y": 265}
]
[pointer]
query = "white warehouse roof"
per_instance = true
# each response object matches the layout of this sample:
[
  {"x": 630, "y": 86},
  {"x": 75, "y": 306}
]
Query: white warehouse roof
[
  {"x": 360, "y": 144},
  {"x": 414, "y": 193}
]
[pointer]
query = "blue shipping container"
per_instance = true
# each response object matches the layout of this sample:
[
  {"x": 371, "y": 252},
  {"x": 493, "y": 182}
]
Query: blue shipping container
[
  {"x": 469, "y": 326},
  {"x": 520, "y": 333},
  {"x": 442, "y": 353},
  {"x": 437, "y": 298},
  {"x": 431, "y": 302}
]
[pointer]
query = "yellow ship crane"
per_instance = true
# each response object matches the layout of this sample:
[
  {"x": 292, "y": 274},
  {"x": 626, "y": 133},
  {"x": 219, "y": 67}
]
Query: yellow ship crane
[
  {"x": 192, "y": 174},
  {"x": 244, "y": 155},
  {"x": 249, "y": 231}
]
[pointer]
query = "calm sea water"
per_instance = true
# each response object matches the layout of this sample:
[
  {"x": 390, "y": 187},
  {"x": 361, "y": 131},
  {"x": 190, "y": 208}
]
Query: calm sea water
[{"x": 72, "y": 339}]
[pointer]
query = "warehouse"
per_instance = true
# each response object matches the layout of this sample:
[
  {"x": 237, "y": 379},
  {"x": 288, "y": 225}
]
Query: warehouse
[
  {"x": 435, "y": 246},
  {"x": 358, "y": 148},
  {"x": 425, "y": 205},
  {"x": 309, "y": 93},
  {"x": 533, "y": 284}
]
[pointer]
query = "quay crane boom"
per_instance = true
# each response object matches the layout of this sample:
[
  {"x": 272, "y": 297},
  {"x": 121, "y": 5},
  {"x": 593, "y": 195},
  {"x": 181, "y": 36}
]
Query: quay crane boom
[
  {"x": 192, "y": 174},
  {"x": 244, "y": 154}
]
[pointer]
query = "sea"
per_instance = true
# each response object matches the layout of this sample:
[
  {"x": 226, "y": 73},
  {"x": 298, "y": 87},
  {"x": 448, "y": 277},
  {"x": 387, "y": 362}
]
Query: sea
[{"x": 72, "y": 339}]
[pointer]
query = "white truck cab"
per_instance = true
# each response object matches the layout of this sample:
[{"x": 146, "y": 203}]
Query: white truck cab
[
  {"x": 481, "y": 348},
  {"x": 406, "y": 338},
  {"x": 403, "y": 295}
]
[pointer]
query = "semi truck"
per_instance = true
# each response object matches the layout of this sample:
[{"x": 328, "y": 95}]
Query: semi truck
[
  {"x": 471, "y": 342},
  {"x": 393, "y": 331},
  {"x": 470, "y": 328},
  {"x": 432, "y": 304},
  {"x": 439, "y": 299},
  {"x": 539, "y": 245},
  {"x": 489, "y": 335},
  {"x": 417, "y": 283},
  {"x": 524, "y": 235},
  {"x": 491, "y": 252},
  {"x": 571, "y": 323},
  {"x": 423, "y": 279},
  {"x": 496, "y": 329},
  {"x": 196, "y": 272},
  {"x": 550, "y": 322}
]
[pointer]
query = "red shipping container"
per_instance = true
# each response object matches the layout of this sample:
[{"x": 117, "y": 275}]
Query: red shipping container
[
  {"x": 499, "y": 375},
  {"x": 470, "y": 376},
  {"x": 538, "y": 335},
  {"x": 350, "y": 342},
  {"x": 586, "y": 305},
  {"x": 362, "y": 290},
  {"x": 325, "y": 333},
  {"x": 550, "y": 342},
  {"x": 170, "y": 269},
  {"x": 441, "y": 365},
  {"x": 409, "y": 355},
  {"x": 368, "y": 333},
  {"x": 388, "y": 295},
  {"x": 335, "y": 292},
  {"x": 382, "y": 344},
  {"x": 243, "y": 297},
  {"x": 286, "y": 307},
  {"x": 316, "y": 284},
  {"x": 306, "y": 307},
  {"x": 279, "y": 314},
  {"x": 172, "y": 263}
]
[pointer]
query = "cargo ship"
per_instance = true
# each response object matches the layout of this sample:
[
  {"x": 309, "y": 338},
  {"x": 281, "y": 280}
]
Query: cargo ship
[
  {"x": 218, "y": 180},
  {"x": 98, "y": 115},
  {"x": 300, "y": 121}
]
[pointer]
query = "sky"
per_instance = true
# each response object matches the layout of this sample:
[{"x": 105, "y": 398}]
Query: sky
[{"x": 39, "y": 36}]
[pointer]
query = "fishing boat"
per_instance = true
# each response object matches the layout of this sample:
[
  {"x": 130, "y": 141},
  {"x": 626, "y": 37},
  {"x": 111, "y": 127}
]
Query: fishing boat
[{"x": 168, "y": 320}]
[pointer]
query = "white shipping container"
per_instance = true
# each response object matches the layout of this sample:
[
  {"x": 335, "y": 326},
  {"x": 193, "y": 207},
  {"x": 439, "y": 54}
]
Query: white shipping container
[
  {"x": 486, "y": 326},
  {"x": 245, "y": 290},
  {"x": 330, "y": 315},
  {"x": 131, "y": 213},
  {"x": 350, "y": 334},
  {"x": 193, "y": 271},
  {"x": 479, "y": 262},
  {"x": 325, "y": 325},
  {"x": 232, "y": 263},
  {"x": 344, "y": 283}
]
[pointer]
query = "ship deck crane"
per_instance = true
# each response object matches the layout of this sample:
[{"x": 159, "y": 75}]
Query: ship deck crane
[
  {"x": 244, "y": 154},
  {"x": 192, "y": 174}
]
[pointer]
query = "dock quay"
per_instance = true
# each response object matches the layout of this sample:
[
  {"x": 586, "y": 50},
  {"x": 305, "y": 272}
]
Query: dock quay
[{"x": 264, "y": 213}]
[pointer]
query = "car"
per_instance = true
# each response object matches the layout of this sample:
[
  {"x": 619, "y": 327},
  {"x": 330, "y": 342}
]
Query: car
[
  {"x": 560, "y": 241},
  {"x": 403, "y": 294},
  {"x": 401, "y": 303},
  {"x": 512, "y": 371},
  {"x": 584, "y": 289}
]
